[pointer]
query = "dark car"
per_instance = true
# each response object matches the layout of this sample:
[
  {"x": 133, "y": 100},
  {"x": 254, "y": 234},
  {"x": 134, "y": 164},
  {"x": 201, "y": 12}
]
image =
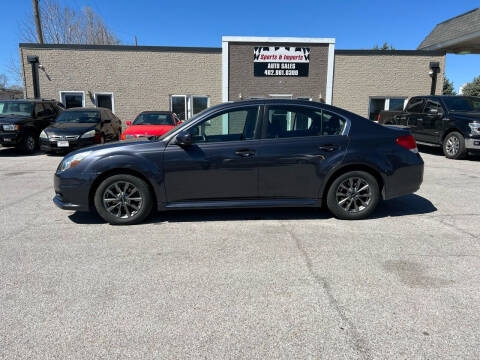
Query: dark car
[
  {"x": 22, "y": 121},
  {"x": 257, "y": 153},
  {"x": 452, "y": 122},
  {"x": 80, "y": 127}
]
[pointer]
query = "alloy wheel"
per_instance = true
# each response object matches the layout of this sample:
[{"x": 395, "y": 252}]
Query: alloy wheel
[
  {"x": 122, "y": 199},
  {"x": 354, "y": 195},
  {"x": 452, "y": 145}
]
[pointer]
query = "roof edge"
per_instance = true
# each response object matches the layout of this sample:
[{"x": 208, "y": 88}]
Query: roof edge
[
  {"x": 391, "y": 52},
  {"x": 121, "y": 48},
  {"x": 272, "y": 39}
]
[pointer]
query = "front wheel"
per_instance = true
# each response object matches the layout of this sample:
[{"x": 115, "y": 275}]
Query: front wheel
[
  {"x": 454, "y": 146},
  {"x": 123, "y": 200},
  {"x": 28, "y": 144},
  {"x": 353, "y": 195}
]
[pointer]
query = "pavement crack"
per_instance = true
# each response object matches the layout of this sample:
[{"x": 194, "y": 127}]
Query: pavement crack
[{"x": 358, "y": 342}]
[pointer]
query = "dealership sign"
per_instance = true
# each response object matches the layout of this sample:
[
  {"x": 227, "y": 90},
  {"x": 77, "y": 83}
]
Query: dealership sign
[{"x": 280, "y": 61}]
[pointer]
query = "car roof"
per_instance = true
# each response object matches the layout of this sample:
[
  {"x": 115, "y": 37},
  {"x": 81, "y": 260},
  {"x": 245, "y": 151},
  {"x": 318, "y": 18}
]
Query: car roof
[
  {"x": 29, "y": 100},
  {"x": 85, "y": 109}
]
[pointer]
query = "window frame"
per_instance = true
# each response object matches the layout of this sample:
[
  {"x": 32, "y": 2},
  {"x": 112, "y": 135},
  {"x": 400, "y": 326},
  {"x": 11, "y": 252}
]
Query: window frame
[
  {"x": 61, "y": 93},
  {"x": 263, "y": 132},
  {"x": 386, "y": 106},
  {"x": 105, "y": 93}
]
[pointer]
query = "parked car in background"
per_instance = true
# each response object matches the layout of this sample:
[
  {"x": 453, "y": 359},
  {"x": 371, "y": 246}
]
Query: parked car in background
[
  {"x": 452, "y": 122},
  {"x": 257, "y": 153},
  {"x": 79, "y": 127},
  {"x": 150, "y": 123},
  {"x": 22, "y": 121}
]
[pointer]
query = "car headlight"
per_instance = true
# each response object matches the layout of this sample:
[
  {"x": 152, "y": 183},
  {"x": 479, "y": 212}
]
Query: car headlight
[
  {"x": 475, "y": 128},
  {"x": 43, "y": 135},
  {"x": 129, "y": 136},
  {"x": 88, "y": 134},
  {"x": 70, "y": 161},
  {"x": 11, "y": 127}
]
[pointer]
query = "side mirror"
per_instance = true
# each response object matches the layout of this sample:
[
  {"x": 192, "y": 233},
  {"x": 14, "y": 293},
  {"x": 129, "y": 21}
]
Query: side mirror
[
  {"x": 184, "y": 139},
  {"x": 128, "y": 123}
]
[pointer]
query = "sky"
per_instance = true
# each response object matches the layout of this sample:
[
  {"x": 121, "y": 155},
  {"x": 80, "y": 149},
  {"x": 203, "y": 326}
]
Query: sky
[{"x": 356, "y": 24}]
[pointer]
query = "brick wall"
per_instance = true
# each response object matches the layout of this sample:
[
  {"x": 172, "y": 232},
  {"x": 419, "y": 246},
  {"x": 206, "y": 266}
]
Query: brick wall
[
  {"x": 140, "y": 80},
  {"x": 361, "y": 74}
]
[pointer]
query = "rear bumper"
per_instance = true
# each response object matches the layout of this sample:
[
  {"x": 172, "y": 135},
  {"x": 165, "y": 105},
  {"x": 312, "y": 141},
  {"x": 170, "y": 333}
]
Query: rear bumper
[
  {"x": 51, "y": 146},
  {"x": 404, "y": 180}
]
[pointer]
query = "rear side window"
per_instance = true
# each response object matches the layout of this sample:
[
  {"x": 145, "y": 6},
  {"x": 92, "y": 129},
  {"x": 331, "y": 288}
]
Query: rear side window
[
  {"x": 294, "y": 121},
  {"x": 432, "y": 107},
  {"x": 415, "y": 105}
]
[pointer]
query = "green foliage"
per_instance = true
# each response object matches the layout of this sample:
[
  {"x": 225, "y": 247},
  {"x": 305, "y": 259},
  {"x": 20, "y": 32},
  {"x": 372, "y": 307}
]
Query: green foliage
[
  {"x": 448, "y": 88},
  {"x": 385, "y": 46},
  {"x": 472, "y": 88}
]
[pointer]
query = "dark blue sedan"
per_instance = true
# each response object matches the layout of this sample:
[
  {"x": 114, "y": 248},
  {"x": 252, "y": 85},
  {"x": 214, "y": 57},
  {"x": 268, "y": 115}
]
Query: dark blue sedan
[{"x": 258, "y": 153}]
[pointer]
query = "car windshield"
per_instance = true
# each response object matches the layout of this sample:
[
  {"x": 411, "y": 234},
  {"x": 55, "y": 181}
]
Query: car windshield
[
  {"x": 79, "y": 117},
  {"x": 460, "y": 103},
  {"x": 15, "y": 108},
  {"x": 154, "y": 119}
]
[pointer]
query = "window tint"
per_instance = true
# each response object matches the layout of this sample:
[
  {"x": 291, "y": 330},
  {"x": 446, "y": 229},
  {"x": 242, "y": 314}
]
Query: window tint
[
  {"x": 39, "y": 111},
  {"x": 228, "y": 126},
  {"x": 49, "y": 110},
  {"x": 287, "y": 121},
  {"x": 16, "y": 108},
  {"x": 432, "y": 107},
  {"x": 415, "y": 105},
  {"x": 154, "y": 119}
]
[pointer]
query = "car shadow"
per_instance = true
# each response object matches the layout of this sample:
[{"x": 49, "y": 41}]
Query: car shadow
[
  {"x": 433, "y": 150},
  {"x": 13, "y": 152},
  {"x": 406, "y": 205}
]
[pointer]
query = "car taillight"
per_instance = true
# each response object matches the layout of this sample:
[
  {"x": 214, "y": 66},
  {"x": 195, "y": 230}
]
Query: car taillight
[
  {"x": 378, "y": 117},
  {"x": 408, "y": 142}
]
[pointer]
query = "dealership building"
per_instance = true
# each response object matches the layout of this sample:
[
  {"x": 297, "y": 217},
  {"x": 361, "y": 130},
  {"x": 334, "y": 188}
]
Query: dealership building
[{"x": 186, "y": 80}]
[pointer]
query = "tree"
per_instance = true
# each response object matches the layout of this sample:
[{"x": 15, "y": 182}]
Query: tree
[
  {"x": 3, "y": 81},
  {"x": 63, "y": 25},
  {"x": 448, "y": 88},
  {"x": 472, "y": 88},
  {"x": 385, "y": 46}
]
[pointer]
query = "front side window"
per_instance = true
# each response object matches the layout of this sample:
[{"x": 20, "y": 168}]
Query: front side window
[
  {"x": 15, "y": 108},
  {"x": 154, "y": 119},
  {"x": 462, "y": 104},
  {"x": 89, "y": 117},
  {"x": 286, "y": 121},
  {"x": 232, "y": 125}
]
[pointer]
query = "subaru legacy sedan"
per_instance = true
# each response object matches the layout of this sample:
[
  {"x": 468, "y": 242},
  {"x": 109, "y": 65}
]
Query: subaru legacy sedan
[{"x": 257, "y": 153}]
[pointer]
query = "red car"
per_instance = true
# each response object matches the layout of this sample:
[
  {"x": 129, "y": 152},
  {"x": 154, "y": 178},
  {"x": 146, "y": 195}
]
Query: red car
[{"x": 150, "y": 123}]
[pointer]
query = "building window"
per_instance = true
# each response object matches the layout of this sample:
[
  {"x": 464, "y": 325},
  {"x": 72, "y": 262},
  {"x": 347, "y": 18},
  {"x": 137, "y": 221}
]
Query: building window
[
  {"x": 178, "y": 105},
  {"x": 105, "y": 100},
  {"x": 378, "y": 104},
  {"x": 200, "y": 103},
  {"x": 71, "y": 99},
  {"x": 186, "y": 106}
]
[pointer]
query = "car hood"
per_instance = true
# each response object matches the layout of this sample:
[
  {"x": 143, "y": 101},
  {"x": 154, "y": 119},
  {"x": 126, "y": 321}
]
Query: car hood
[
  {"x": 148, "y": 129},
  {"x": 12, "y": 119},
  {"x": 69, "y": 128},
  {"x": 119, "y": 147},
  {"x": 467, "y": 116}
]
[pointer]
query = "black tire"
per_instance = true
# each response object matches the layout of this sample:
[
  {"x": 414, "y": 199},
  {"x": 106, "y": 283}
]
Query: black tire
[
  {"x": 119, "y": 135},
  {"x": 124, "y": 213},
  {"x": 347, "y": 202},
  {"x": 454, "y": 146},
  {"x": 29, "y": 143}
]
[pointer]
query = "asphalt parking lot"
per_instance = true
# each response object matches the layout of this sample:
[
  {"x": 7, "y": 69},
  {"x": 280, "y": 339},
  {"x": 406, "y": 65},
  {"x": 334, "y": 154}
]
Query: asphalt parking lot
[{"x": 288, "y": 283}]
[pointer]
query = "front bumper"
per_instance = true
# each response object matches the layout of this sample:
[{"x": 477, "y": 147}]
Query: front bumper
[
  {"x": 472, "y": 144},
  {"x": 10, "y": 138},
  {"x": 72, "y": 190},
  {"x": 51, "y": 145}
]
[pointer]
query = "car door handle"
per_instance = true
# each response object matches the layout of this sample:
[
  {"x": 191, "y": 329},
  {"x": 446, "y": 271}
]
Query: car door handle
[
  {"x": 328, "y": 147},
  {"x": 245, "y": 153}
]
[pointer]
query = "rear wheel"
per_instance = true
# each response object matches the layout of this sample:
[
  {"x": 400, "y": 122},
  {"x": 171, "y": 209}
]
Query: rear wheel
[
  {"x": 353, "y": 195},
  {"x": 123, "y": 200},
  {"x": 454, "y": 146}
]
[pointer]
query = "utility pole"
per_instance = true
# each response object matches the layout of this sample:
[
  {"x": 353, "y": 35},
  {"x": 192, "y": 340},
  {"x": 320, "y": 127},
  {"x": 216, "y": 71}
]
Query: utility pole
[
  {"x": 135, "y": 40},
  {"x": 38, "y": 24}
]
